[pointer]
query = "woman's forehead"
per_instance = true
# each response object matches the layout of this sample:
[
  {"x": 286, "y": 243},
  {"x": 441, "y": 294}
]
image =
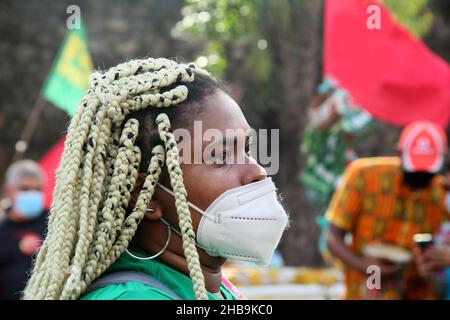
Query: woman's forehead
[{"x": 222, "y": 113}]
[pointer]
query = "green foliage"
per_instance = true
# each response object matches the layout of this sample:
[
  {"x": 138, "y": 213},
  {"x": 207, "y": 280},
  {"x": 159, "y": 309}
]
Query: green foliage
[
  {"x": 220, "y": 23},
  {"x": 415, "y": 15},
  {"x": 223, "y": 22},
  {"x": 225, "y": 19}
]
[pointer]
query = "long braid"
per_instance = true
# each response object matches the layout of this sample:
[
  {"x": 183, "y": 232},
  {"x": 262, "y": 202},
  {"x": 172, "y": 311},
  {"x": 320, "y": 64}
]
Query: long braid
[
  {"x": 88, "y": 228},
  {"x": 184, "y": 215},
  {"x": 42, "y": 262},
  {"x": 65, "y": 223},
  {"x": 130, "y": 225},
  {"x": 105, "y": 232},
  {"x": 92, "y": 174}
]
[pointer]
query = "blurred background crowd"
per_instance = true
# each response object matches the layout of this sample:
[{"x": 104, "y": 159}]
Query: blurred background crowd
[{"x": 341, "y": 81}]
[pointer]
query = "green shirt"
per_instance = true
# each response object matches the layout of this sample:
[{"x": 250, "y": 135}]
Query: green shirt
[{"x": 176, "y": 281}]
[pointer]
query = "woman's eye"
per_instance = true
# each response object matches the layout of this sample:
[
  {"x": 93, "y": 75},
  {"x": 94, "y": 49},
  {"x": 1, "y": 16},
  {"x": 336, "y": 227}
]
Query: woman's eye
[
  {"x": 224, "y": 156},
  {"x": 220, "y": 158},
  {"x": 247, "y": 147}
]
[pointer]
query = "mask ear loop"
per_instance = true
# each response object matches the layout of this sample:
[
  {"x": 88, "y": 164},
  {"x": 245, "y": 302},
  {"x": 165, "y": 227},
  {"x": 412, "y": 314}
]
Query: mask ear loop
[
  {"x": 189, "y": 204},
  {"x": 180, "y": 235},
  {"x": 169, "y": 233}
]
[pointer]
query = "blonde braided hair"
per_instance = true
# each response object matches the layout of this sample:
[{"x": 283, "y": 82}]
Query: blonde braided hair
[{"x": 89, "y": 227}]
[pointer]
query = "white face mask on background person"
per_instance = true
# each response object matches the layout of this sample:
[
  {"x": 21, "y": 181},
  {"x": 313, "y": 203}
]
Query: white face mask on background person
[{"x": 245, "y": 223}]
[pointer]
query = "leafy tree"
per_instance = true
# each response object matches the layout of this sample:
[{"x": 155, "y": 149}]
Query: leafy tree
[
  {"x": 415, "y": 15},
  {"x": 270, "y": 53}
]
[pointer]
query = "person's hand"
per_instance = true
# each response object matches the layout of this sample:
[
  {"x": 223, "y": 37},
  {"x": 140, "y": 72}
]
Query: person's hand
[
  {"x": 424, "y": 266},
  {"x": 387, "y": 269},
  {"x": 437, "y": 257}
]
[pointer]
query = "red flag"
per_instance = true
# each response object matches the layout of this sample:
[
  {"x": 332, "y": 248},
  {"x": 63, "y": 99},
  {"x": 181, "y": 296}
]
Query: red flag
[
  {"x": 387, "y": 71},
  {"x": 49, "y": 163}
]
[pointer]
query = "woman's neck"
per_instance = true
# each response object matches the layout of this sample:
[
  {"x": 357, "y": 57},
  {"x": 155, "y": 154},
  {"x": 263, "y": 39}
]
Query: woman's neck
[
  {"x": 211, "y": 266},
  {"x": 212, "y": 275}
]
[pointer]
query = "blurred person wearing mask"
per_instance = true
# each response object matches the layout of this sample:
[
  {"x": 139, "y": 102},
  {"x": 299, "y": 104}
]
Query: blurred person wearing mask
[
  {"x": 387, "y": 200},
  {"x": 433, "y": 262},
  {"x": 22, "y": 229}
]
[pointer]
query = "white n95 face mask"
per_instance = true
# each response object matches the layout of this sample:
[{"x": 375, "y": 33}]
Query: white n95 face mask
[{"x": 245, "y": 223}]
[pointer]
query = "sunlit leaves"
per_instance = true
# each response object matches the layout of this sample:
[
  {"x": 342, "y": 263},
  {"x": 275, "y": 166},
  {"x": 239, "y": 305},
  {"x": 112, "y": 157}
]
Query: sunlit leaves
[
  {"x": 415, "y": 15},
  {"x": 219, "y": 22}
]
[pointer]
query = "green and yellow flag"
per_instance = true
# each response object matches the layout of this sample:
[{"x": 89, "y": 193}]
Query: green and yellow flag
[{"x": 68, "y": 77}]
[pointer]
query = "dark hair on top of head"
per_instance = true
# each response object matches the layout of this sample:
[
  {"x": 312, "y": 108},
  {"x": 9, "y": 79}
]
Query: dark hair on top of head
[{"x": 181, "y": 116}]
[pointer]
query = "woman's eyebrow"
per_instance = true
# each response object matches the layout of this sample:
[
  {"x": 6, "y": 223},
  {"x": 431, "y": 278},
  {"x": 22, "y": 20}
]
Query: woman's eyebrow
[{"x": 232, "y": 140}]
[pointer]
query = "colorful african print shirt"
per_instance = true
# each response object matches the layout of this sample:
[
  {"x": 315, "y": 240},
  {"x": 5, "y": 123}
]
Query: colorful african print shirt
[{"x": 374, "y": 205}]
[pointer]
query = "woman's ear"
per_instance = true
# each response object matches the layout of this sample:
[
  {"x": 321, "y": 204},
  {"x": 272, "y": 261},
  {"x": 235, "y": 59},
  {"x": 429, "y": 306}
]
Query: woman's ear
[
  {"x": 154, "y": 211},
  {"x": 137, "y": 189}
]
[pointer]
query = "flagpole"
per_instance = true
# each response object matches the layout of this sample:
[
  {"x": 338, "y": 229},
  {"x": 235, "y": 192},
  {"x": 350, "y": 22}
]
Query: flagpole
[
  {"x": 32, "y": 121},
  {"x": 40, "y": 104}
]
